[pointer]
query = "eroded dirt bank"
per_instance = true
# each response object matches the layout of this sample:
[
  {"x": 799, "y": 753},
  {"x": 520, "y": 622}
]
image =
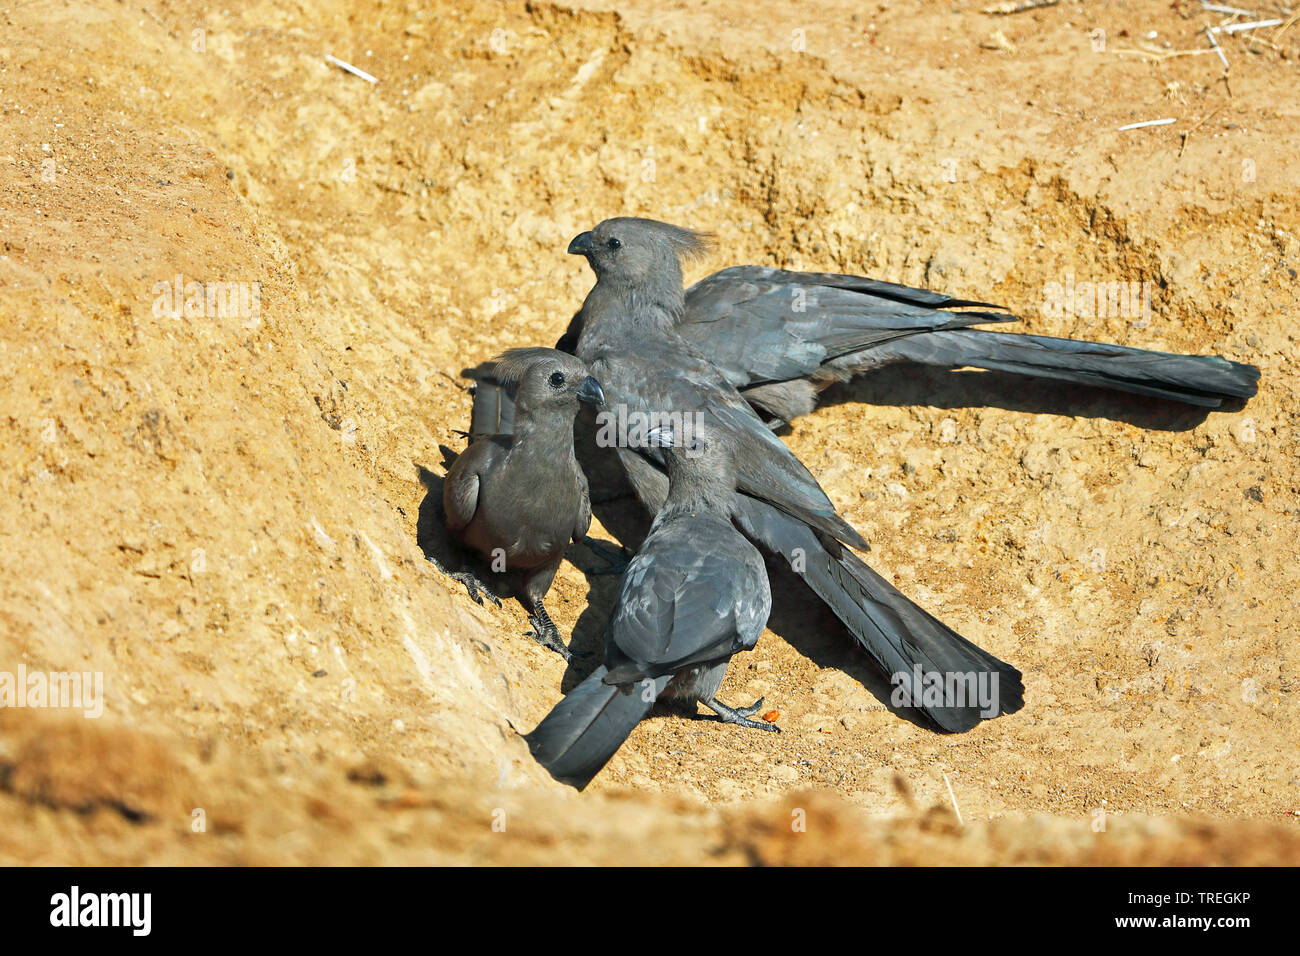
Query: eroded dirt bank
[{"x": 221, "y": 514}]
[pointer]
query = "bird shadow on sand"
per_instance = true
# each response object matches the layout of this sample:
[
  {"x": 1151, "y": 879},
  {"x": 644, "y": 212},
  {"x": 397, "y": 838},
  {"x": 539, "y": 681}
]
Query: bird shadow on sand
[
  {"x": 624, "y": 520},
  {"x": 431, "y": 522},
  {"x": 801, "y": 619},
  {"x": 918, "y": 385}
]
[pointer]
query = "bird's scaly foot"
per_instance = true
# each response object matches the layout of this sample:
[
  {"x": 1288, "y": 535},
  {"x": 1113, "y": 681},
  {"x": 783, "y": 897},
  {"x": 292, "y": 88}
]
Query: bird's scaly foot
[
  {"x": 741, "y": 716},
  {"x": 545, "y": 632},
  {"x": 476, "y": 588},
  {"x": 473, "y": 585}
]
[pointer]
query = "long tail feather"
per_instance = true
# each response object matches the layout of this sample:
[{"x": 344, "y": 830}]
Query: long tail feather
[
  {"x": 1203, "y": 380},
  {"x": 584, "y": 730},
  {"x": 903, "y": 639}
]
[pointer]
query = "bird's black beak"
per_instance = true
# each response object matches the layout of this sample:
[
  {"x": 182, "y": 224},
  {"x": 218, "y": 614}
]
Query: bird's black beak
[
  {"x": 582, "y": 244},
  {"x": 589, "y": 391}
]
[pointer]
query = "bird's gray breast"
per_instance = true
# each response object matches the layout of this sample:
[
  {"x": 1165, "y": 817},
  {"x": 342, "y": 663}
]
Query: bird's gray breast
[{"x": 527, "y": 513}]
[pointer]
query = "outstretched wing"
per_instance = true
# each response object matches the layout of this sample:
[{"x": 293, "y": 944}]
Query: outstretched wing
[{"x": 778, "y": 336}]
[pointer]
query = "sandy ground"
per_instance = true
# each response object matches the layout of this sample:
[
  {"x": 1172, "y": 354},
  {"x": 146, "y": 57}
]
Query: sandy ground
[{"x": 221, "y": 514}]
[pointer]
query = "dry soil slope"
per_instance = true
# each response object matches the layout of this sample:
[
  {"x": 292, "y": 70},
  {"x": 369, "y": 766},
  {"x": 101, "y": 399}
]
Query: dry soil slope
[{"x": 221, "y": 516}]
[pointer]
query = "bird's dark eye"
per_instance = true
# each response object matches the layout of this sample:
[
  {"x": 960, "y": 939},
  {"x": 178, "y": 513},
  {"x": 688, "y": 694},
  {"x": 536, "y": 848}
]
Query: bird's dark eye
[
  {"x": 614, "y": 243},
  {"x": 557, "y": 380}
]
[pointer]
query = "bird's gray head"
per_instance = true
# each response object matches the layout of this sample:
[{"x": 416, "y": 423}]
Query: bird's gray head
[
  {"x": 547, "y": 379},
  {"x": 696, "y": 449},
  {"x": 633, "y": 251},
  {"x": 701, "y": 468}
]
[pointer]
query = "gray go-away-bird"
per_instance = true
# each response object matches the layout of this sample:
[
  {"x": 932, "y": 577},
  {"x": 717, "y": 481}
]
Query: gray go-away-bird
[
  {"x": 781, "y": 337},
  {"x": 518, "y": 499},
  {"x": 695, "y": 594}
]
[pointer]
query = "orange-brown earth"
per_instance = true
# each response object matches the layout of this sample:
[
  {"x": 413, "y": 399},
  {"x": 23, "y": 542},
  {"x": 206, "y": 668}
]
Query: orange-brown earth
[{"x": 220, "y": 513}]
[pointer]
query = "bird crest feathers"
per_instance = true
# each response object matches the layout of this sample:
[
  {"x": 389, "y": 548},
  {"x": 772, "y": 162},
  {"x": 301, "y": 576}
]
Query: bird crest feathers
[
  {"x": 513, "y": 364},
  {"x": 686, "y": 244}
]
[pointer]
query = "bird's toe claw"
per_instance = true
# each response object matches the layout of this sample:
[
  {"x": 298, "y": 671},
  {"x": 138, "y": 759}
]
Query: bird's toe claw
[
  {"x": 740, "y": 716},
  {"x": 549, "y": 641},
  {"x": 545, "y": 632},
  {"x": 475, "y": 588}
]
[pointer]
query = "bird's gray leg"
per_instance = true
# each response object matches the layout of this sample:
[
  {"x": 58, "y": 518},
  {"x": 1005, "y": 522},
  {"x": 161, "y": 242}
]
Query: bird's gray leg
[
  {"x": 616, "y": 560},
  {"x": 741, "y": 716},
  {"x": 545, "y": 632},
  {"x": 473, "y": 585}
]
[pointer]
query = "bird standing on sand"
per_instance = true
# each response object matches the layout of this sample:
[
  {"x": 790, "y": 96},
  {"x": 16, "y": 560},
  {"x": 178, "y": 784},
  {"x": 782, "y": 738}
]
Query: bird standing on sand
[
  {"x": 695, "y": 594},
  {"x": 519, "y": 499}
]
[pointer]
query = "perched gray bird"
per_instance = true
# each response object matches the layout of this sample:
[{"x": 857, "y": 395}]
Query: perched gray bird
[
  {"x": 518, "y": 499},
  {"x": 781, "y": 337},
  {"x": 630, "y": 341},
  {"x": 695, "y": 594}
]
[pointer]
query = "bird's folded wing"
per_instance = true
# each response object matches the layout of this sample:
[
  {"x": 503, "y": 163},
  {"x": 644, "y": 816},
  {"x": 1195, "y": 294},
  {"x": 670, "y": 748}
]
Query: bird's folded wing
[
  {"x": 461, "y": 487},
  {"x": 681, "y": 603}
]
